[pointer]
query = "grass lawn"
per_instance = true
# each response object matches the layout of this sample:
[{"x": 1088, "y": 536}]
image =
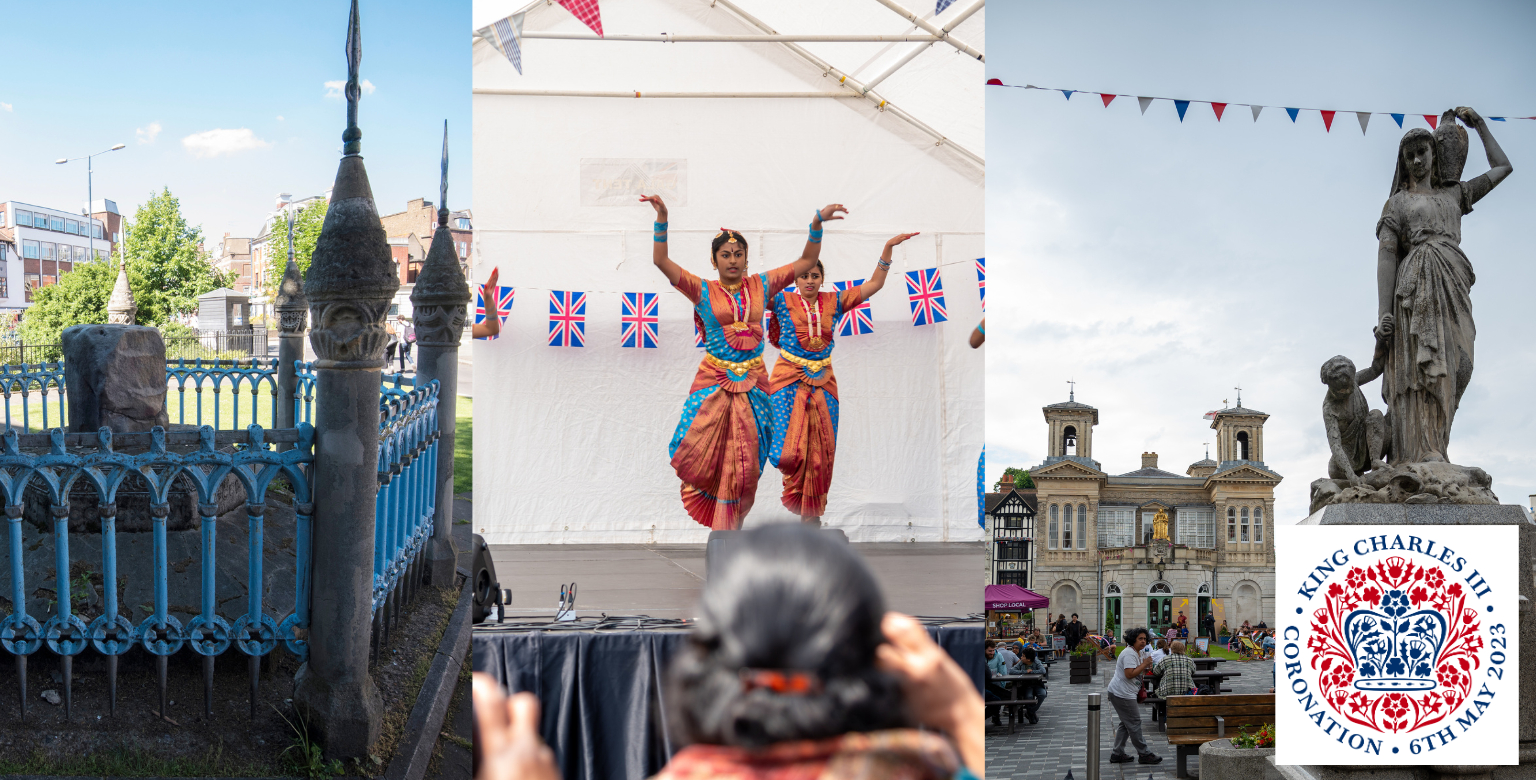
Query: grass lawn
[
  {"x": 464, "y": 446},
  {"x": 179, "y": 406},
  {"x": 1222, "y": 652}
]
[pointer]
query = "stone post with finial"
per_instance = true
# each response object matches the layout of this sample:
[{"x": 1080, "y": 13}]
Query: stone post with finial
[
  {"x": 350, "y": 283},
  {"x": 120, "y": 307},
  {"x": 439, "y": 303},
  {"x": 292, "y": 310}
]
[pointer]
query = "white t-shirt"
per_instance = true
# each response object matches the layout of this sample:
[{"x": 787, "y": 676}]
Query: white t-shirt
[
  {"x": 1157, "y": 656},
  {"x": 1119, "y": 684}
]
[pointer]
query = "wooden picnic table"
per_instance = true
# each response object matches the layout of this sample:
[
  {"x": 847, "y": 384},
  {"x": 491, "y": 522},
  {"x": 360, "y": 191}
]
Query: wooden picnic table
[
  {"x": 1207, "y": 664},
  {"x": 1209, "y": 682}
]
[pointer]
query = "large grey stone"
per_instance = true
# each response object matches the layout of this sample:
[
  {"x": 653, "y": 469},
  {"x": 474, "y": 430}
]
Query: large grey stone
[{"x": 115, "y": 376}]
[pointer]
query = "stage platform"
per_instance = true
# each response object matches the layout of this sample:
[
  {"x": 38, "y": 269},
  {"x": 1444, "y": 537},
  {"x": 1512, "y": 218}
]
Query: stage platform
[{"x": 664, "y": 581}]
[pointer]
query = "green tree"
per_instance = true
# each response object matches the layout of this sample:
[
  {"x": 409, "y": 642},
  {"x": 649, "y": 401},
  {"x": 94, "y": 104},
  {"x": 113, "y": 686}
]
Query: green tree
[
  {"x": 1021, "y": 479},
  {"x": 306, "y": 231},
  {"x": 167, "y": 266},
  {"x": 79, "y": 298}
]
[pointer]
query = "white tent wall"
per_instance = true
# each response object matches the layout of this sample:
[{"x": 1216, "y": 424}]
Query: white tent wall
[{"x": 573, "y": 442}]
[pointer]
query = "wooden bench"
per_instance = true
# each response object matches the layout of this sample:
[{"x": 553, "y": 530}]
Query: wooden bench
[
  {"x": 1193, "y": 721},
  {"x": 1012, "y": 706}
]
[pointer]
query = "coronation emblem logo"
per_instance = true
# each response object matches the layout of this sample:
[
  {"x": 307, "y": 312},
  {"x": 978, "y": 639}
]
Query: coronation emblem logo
[{"x": 1395, "y": 644}]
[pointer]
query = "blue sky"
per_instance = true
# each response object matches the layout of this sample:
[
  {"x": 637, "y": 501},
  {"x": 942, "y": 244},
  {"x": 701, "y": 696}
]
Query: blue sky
[
  {"x": 1160, "y": 264},
  {"x": 227, "y": 104}
]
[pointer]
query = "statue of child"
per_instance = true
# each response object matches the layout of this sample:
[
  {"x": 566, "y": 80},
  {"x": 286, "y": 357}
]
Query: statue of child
[{"x": 1356, "y": 433}]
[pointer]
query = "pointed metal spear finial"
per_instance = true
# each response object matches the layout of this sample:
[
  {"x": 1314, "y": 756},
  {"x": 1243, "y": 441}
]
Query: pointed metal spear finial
[
  {"x": 352, "y": 137},
  {"x": 290, "y": 235},
  {"x": 442, "y": 191}
]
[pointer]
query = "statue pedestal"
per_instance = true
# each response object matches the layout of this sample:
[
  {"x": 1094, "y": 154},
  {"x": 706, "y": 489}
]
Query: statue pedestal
[{"x": 1455, "y": 514}]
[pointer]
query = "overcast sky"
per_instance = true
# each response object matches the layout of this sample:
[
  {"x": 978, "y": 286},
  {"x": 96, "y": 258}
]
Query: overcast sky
[
  {"x": 1161, "y": 264},
  {"x": 228, "y": 103}
]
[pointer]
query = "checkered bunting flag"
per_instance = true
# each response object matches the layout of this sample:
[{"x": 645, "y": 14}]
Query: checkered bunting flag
[
  {"x": 640, "y": 321},
  {"x": 925, "y": 293},
  {"x": 587, "y": 11},
  {"x": 567, "y": 319},
  {"x": 857, "y": 321},
  {"x": 506, "y": 35},
  {"x": 504, "y": 297}
]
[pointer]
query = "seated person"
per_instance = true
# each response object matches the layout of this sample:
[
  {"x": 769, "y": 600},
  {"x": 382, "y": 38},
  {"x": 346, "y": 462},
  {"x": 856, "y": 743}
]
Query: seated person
[
  {"x": 1032, "y": 688},
  {"x": 1159, "y": 652},
  {"x": 1009, "y": 656},
  {"x": 997, "y": 663},
  {"x": 1268, "y": 643},
  {"x": 1176, "y": 673}
]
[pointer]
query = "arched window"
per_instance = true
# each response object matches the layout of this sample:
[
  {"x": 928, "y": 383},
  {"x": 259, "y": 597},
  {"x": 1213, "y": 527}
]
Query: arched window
[
  {"x": 1113, "y": 589},
  {"x": 1258, "y": 524},
  {"x": 1069, "y": 440},
  {"x": 1160, "y": 588},
  {"x": 1082, "y": 526},
  {"x": 1205, "y": 589},
  {"x": 1066, "y": 527},
  {"x": 1242, "y": 445},
  {"x": 1231, "y": 524},
  {"x": 1050, "y": 534},
  {"x": 1245, "y": 524}
]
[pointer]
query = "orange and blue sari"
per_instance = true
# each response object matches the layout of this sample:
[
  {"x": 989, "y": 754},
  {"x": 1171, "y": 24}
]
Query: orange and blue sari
[
  {"x": 803, "y": 395},
  {"x": 722, "y": 440}
]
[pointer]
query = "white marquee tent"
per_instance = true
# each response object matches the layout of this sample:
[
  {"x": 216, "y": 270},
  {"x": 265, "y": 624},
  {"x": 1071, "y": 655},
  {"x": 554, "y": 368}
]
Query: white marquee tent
[{"x": 571, "y": 443}]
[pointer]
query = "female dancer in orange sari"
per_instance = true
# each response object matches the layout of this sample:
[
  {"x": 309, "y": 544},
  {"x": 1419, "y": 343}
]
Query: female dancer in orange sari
[
  {"x": 722, "y": 440},
  {"x": 803, "y": 391}
]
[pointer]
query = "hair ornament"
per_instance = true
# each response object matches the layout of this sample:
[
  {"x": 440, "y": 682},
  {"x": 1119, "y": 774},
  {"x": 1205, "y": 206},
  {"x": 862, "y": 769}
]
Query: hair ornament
[{"x": 781, "y": 681}]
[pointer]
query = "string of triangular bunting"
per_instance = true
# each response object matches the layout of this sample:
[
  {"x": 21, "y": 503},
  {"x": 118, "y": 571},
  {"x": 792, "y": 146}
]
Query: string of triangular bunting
[
  {"x": 1220, "y": 108},
  {"x": 507, "y": 34}
]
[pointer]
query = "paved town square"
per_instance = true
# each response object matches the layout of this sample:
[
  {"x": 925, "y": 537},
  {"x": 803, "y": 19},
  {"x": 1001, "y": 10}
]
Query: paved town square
[{"x": 1057, "y": 744}]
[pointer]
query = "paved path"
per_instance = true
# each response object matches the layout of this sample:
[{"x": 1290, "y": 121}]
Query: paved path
[{"x": 1048, "y": 749}]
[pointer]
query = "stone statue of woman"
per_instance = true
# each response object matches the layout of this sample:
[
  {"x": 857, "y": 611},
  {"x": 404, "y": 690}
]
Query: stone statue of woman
[{"x": 1424, "y": 284}]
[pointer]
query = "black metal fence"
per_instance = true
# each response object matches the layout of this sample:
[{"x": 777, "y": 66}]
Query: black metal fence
[{"x": 184, "y": 345}]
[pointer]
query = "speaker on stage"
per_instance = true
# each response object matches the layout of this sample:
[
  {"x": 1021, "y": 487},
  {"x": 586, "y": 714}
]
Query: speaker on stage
[{"x": 487, "y": 589}]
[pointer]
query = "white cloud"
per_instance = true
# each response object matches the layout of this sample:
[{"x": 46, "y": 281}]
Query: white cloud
[
  {"x": 279, "y": 117},
  {"x": 147, "y": 133},
  {"x": 336, "y": 89},
  {"x": 212, "y": 143},
  {"x": 6, "y": 106}
]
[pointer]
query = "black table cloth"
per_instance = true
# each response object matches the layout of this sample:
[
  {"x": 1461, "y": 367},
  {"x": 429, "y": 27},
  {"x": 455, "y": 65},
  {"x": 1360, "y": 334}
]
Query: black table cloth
[{"x": 604, "y": 708}]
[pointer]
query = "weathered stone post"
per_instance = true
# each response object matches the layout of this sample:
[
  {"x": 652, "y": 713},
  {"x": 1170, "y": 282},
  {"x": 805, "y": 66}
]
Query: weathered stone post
[
  {"x": 120, "y": 307},
  {"x": 292, "y": 308},
  {"x": 439, "y": 303},
  {"x": 350, "y": 283}
]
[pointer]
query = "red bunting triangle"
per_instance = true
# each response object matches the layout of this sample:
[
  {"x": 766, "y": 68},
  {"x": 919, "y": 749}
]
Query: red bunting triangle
[
  {"x": 1107, "y": 98},
  {"x": 1219, "y": 107},
  {"x": 994, "y": 82},
  {"x": 1432, "y": 120},
  {"x": 1328, "y": 120},
  {"x": 587, "y": 11}
]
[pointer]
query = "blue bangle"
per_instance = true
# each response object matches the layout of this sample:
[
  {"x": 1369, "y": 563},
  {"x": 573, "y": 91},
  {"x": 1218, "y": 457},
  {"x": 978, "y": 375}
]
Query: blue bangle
[
  {"x": 815, "y": 234},
  {"x": 660, "y": 234}
]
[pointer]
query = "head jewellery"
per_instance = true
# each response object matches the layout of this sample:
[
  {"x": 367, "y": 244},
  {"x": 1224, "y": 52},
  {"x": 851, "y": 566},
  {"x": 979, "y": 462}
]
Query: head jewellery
[{"x": 781, "y": 681}]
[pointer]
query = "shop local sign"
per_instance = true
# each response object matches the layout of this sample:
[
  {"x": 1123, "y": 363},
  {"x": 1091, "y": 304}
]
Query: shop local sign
[{"x": 1397, "y": 645}]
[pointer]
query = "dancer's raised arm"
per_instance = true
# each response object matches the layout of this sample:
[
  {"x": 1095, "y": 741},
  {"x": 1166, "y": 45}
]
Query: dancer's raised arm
[
  {"x": 812, "y": 251},
  {"x": 659, "y": 256},
  {"x": 877, "y": 279},
  {"x": 1499, "y": 167}
]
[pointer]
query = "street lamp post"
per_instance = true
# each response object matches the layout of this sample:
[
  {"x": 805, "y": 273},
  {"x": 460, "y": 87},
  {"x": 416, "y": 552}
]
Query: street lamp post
[{"x": 90, "y": 195}]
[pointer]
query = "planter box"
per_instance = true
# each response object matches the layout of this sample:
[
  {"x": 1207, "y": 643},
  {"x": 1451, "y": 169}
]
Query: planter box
[
  {"x": 1079, "y": 679},
  {"x": 1220, "y": 761},
  {"x": 1080, "y": 668}
]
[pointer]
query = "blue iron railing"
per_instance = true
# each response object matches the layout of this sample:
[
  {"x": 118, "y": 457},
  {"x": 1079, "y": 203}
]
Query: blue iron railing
[
  {"x": 44, "y": 379},
  {"x": 407, "y": 498},
  {"x": 252, "y": 374},
  {"x": 53, "y": 463}
]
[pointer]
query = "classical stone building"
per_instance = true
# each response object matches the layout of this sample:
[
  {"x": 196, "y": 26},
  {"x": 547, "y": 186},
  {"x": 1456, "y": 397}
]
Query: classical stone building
[
  {"x": 1010, "y": 531},
  {"x": 1098, "y": 551}
]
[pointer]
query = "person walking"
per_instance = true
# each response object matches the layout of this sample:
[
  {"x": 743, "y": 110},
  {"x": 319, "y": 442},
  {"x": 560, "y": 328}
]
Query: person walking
[{"x": 1124, "y": 685}]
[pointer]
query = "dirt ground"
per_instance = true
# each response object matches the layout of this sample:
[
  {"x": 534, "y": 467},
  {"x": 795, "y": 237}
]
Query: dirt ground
[{"x": 138, "y": 742}]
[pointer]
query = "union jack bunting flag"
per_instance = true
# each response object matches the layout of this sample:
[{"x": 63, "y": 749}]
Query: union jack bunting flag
[
  {"x": 981, "y": 280},
  {"x": 503, "y": 304},
  {"x": 925, "y": 292},
  {"x": 640, "y": 321},
  {"x": 856, "y": 322},
  {"x": 567, "y": 319},
  {"x": 698, "y": 335}
]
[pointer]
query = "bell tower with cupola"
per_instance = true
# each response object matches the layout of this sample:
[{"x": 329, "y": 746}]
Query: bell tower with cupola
[
  {"x": 1239, "y": 435},
  {"x": 1071, "y": 430}
]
